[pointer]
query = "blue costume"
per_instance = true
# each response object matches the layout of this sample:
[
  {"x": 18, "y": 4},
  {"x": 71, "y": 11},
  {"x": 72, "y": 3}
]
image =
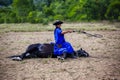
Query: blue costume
[{"x": 61, "y": 45}]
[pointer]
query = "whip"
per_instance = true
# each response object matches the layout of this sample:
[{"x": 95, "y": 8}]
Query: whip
[{"x": 89, "y": 34}]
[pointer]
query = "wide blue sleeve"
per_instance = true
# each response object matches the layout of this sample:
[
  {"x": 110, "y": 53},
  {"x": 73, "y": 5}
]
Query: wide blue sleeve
[{"x": 59, "y": 31}]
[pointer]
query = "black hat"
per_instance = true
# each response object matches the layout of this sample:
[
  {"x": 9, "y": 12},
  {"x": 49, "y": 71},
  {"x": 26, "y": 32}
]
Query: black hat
[{"x": 57, "y": 22}]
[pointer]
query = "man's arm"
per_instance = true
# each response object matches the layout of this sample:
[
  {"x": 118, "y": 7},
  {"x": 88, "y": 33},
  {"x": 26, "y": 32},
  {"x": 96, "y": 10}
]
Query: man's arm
[{"x": 68, "y": 31}]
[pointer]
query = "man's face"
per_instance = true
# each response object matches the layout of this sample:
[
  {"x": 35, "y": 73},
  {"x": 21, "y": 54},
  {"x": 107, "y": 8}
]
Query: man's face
[{"x": 59, "y": 25}]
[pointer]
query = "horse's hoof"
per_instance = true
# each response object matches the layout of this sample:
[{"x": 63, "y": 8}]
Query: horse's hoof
[{"x": 16, "y": 59}]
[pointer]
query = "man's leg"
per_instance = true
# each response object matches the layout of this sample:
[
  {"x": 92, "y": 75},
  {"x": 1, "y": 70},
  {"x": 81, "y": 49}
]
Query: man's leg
[{"x": 70, "y": 49}]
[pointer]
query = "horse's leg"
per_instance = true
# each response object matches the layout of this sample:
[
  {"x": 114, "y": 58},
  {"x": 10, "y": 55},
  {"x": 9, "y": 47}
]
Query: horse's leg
[
  {"x": 33, "y": 53},
  {"x": 30, "y": 53},
  {"x": 16, "y": 57}
]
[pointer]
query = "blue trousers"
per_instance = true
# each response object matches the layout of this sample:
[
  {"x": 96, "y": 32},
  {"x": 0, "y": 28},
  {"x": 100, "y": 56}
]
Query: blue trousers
[{"x": 65, "y": 47}]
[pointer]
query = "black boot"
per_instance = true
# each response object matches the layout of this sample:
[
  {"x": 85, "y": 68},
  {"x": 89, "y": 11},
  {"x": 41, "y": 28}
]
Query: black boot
[{"x": 62, "y": 57}]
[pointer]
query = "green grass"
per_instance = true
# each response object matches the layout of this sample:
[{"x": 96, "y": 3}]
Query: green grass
[{"x": 27, "y": 27}]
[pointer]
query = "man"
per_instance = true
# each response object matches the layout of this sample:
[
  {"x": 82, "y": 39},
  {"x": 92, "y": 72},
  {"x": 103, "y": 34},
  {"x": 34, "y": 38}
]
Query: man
[{"x": 62, "y": 48}]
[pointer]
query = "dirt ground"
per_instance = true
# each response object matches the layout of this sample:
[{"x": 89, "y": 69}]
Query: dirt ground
[{"x": 103, "y": 63}]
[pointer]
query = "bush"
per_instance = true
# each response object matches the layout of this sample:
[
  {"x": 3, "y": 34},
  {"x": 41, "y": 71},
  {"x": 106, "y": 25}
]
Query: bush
[
  {"x": 35, "y": 17},
  {"x": 58, "y": 17},
  {"x": 113, "y": 11},
  {"x": 118, "y": 18},
  {"x": 1, "y": 20},
  {"x": 45, "y": 21}
]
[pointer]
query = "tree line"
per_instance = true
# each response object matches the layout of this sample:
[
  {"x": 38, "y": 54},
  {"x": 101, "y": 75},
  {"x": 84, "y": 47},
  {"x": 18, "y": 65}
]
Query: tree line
[{"x": 44, "y": 11}]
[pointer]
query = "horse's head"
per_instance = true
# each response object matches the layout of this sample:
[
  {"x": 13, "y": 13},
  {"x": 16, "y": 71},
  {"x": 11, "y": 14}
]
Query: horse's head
[{"x": 82, "y": 53}]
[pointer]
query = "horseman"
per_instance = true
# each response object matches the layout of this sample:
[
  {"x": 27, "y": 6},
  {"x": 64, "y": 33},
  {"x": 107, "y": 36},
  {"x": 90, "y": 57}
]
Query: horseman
[{"x": 62, "y": 48}]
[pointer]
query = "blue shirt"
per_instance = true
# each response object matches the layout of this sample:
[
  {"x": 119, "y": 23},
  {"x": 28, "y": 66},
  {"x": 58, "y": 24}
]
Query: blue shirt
[
  {"x": 63, "y": 45},
  {"x": 59, "y": 37}
]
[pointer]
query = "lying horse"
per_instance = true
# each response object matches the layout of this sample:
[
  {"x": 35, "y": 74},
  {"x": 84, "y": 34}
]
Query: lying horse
[{"x": 43, "y": 51}]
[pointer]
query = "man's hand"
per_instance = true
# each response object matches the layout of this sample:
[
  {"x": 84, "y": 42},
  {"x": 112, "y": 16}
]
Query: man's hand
[{"x": 69, "y": 31}]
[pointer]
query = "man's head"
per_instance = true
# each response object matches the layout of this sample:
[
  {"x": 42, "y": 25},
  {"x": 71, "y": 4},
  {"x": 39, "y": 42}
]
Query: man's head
[{"x": 58, "y": 23}]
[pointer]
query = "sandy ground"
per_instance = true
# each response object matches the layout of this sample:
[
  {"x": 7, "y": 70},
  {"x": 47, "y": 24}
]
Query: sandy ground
[{"x": 103, "y": 63}]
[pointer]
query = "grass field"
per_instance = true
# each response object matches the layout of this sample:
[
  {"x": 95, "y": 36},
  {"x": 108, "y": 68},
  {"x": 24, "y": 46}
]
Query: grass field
[
  {"x": 27, "y": 27},
  {"x": 103, "y": 63}
]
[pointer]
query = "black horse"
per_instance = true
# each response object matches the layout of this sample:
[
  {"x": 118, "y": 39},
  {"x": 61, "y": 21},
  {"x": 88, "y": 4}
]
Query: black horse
[{"x": 44, "y": 51}]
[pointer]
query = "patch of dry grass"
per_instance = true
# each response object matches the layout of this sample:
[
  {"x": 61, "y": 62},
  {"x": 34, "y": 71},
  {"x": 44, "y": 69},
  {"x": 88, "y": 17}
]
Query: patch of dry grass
[{"x": 27, "y": 27}]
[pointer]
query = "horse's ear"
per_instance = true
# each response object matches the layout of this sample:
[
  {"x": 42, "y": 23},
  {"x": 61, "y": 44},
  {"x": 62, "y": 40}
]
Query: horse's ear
[{"x": 81, "y": 49}]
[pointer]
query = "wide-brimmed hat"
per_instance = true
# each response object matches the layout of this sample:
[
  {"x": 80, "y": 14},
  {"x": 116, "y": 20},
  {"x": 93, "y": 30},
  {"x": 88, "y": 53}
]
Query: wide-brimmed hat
[{"x": 57, "y": 22}]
